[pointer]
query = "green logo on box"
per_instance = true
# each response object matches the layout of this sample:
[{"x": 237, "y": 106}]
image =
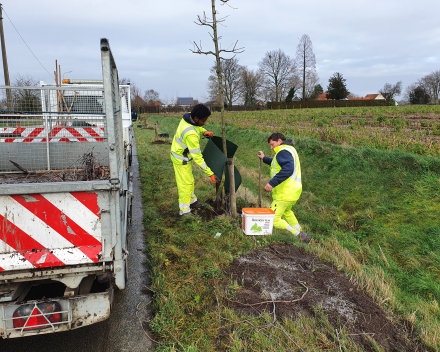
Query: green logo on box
[{"x": 256, "y": 228}]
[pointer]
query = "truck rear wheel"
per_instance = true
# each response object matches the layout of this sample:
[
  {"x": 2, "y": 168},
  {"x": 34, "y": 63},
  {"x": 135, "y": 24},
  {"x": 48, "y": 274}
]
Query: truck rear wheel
[{"x": 130, "y": 158}]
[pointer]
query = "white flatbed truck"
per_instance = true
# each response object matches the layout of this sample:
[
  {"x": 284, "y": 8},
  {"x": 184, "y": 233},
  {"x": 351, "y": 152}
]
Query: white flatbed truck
[{"x": 65, "y": 200}]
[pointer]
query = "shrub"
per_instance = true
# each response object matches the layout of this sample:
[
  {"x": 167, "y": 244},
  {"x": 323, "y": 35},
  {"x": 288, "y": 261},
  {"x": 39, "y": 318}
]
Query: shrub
[{"x": 382, "y": 119}]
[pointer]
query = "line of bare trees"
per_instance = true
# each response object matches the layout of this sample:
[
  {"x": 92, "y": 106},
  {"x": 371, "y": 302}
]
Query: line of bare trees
[
  {"x": 240, "y": 84},
  {"x": 425, "y": 91},
  {"x": 22, "y": 100},
  {"x": 277, "y": 77}
]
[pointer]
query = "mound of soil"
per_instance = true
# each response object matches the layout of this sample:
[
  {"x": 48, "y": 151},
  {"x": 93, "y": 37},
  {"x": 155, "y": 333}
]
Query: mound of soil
[
  {"x": 286, "y": 273},
  {"x": 209, "y": 211}
]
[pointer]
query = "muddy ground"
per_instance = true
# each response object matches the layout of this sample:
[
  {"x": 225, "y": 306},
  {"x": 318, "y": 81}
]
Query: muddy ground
[{"x": 281, "y": 272}]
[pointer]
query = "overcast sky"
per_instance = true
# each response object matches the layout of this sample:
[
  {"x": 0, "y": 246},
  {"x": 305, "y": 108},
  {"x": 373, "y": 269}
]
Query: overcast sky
[{"x": 370, "y": 42}]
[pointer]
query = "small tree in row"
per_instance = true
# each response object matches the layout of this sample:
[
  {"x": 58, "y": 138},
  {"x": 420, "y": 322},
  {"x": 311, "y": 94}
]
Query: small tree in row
[{"x": 213, "y": 24}]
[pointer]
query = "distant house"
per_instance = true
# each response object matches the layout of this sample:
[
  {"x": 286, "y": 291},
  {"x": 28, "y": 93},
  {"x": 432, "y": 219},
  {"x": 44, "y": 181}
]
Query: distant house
[
  {"x": 185, "y": 102},
  {"x": 138, "y": 101},
  {"x": 260, "y": 103},
  {"x": 215, "y": 102},
  {"x": 322, "y": 96},
  {"x": 155, "y": 103},
  {"x": 370, "y": 97}
]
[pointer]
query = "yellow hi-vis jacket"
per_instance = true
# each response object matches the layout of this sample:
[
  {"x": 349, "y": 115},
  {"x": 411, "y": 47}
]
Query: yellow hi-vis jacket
[
  {"x": 289, "y": 189},
  {"x": 187, "y": 141}
]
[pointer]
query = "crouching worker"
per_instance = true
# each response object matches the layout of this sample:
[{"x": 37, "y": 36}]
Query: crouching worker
[
  {"x": 285, "y": 184},
  {"x": 185, "y": 148}
]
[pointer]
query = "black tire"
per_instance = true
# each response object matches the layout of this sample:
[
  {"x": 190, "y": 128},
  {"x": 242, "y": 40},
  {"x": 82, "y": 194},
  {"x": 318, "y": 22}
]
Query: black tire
[
  {"x": 130, "y": 158},
  {"x": 130, "y": 214}
]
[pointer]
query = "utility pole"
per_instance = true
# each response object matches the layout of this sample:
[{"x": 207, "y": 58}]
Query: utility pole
[{"x": 5, "y": 60}]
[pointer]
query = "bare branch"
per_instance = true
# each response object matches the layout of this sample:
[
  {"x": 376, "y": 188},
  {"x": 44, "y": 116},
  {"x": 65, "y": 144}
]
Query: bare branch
[
  {"x": 204, "y": 21},
  {"x": 226, "y": 3},
  {"x": 260, "y": 303},
  {"x": 198, "y": 50}
]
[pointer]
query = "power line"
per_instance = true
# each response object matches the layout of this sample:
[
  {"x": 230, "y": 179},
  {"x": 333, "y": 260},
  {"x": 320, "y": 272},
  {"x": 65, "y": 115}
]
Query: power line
[{"x": 26, "y": 43}]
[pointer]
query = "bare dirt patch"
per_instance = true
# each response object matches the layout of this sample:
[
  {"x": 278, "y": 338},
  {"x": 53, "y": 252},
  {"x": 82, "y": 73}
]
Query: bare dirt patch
[
  {"x": 284, "y": 273},
  {"x": 209, "y": 211}
]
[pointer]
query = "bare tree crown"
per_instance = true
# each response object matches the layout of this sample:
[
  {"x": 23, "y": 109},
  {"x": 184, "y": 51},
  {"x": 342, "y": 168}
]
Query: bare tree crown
[
  {"x": 213, "y": 24},
  {"x": 305, "y": 58},
  {"x": 306, "y": 63},
  {"x": 278, "y": 68}
]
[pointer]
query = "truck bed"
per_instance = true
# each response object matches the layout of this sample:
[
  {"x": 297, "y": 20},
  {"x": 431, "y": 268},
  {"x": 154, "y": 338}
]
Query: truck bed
[{"x": 19, "y": 178}]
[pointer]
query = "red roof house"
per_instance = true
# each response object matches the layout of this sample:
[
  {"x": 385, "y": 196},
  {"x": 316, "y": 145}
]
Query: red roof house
[{"x": 322, "y": 96}]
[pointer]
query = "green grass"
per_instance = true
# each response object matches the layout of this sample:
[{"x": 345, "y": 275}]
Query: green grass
[
  {"x": 408, "y": 128},
  {"x": 373, "y": 213}
]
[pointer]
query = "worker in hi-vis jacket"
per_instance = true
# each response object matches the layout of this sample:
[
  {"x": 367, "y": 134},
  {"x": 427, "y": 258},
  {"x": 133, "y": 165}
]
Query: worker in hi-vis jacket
[
  {"x": 285, "y": 184},
  {"x": 185, "y": 148}
]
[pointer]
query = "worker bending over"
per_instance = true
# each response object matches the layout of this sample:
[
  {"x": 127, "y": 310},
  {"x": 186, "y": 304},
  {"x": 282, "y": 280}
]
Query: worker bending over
[
  {"x": 186, "y": 147},
  {"x": 285, "y": 184}
]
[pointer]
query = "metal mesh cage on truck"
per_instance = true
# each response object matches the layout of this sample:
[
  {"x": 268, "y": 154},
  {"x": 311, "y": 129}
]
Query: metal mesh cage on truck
[{"x": 49, "y": 127}]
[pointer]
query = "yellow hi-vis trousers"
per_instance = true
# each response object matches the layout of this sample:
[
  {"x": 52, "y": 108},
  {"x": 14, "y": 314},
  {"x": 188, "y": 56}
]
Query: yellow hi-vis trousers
[
  {"x": 285, "y": 219},
  {"x": 185, "y": 187}
]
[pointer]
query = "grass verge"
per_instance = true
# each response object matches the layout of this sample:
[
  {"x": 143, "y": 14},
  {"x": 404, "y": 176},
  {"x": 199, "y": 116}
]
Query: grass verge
[{"x": 373, "y": 213}]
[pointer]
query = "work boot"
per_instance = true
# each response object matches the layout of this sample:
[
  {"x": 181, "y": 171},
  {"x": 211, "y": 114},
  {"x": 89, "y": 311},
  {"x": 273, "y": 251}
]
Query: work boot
[
  {"x": 305, "y": 237},
  {"x": 196, "y": 205}
]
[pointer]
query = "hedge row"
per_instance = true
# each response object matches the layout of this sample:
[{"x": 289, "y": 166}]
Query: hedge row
[{"x": 174, "y": 109}]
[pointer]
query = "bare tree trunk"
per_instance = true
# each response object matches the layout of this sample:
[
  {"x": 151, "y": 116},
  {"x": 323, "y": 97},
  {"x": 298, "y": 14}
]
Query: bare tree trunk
[
  {"x": 219, "y": 76},
  {"x": 222, "y": 107},
  {"x": 304, "y": 77},
  {"x": 232, "y": 188}
]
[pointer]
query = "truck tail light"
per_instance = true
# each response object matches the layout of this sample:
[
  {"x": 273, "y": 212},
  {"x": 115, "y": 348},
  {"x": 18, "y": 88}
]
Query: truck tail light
[{"x": 37, "y": 316}]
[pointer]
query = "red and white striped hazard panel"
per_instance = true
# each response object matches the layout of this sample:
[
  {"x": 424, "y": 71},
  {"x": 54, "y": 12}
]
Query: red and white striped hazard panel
[
  {"x": 58, "y": 134},
  {"x": 48, "y": 230}
]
